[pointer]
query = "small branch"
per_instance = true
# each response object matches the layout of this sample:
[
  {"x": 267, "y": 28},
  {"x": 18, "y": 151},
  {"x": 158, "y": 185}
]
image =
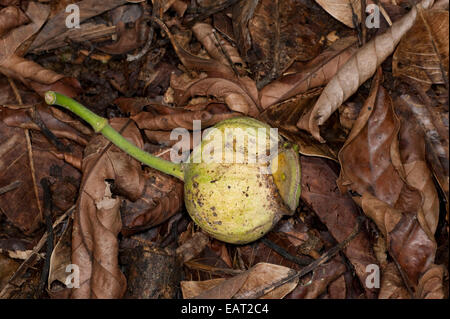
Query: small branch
[
  {"x": 312, "y": 266},
  {"x": 10, "y": 187},
  {"x": 302, "y": 261},
  {"x": 28, "y": 263},
  {"x": 50, "y": 237}
]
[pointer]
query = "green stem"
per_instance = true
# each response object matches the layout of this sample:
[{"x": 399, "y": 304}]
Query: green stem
[{"x": 100, "y": 125}]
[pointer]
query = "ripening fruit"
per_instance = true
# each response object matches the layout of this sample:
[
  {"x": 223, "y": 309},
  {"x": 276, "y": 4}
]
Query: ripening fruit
[
  {"x": 239, "y": 202},
  {"x": 236, "y": 189}
]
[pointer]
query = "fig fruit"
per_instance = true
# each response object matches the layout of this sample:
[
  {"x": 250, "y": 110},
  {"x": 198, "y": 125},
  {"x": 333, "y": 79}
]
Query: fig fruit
[{"x": 239, "y": 181}]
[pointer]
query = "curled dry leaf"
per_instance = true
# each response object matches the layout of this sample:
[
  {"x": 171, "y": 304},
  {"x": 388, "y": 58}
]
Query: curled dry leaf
[
  {"x": 337, "y": 211},
  {"x": 250, "y": 284},
  {"x": 412, "y": 152},
  {"x": 29, "y": 72},
  {"x": 11, "y": 17},
  {"x": 343, "y": 10},
  {"x": 422, "y": 54},
  {"x": 358, "y": 69},
  {"x": 240, "y": 96},
  {"x": 97, "y": 219},
  {"x": 285, "y": 115},
  {"x": 435, "y": 128},
  {"x": 371, "y": 165},
  {"x": 316, "y": 73},
  {"x": 392, "y": 286},
  {"x": 212, "y": 67},
  {"x": 161, "y": 198},
  {"x": 217, "y": 47},
  {"x": 372, "y": 161},
  {"x": 431, "y": 284}
]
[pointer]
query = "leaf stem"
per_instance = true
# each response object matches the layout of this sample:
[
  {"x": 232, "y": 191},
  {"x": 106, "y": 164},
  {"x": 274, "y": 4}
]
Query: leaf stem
[{"x": 101, "y": 125}]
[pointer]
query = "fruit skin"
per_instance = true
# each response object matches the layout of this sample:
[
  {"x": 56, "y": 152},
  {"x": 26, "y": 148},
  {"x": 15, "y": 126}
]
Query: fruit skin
[{"x": 233, "y": 202}]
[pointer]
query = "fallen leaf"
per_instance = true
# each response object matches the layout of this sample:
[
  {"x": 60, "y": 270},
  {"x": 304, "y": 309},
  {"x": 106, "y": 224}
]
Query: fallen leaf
[
  {"x": 97, "y": 219},
  {"x": 252, "y": 283},
  {"x": 11, "y": 17},
  {"x": 422, "y": 54},
  {"x": 358, "y": 69},
  {"x": 343, "y": 10},
  {"x": 338, "y": 212},
  {"x": 316, "y": 73}
]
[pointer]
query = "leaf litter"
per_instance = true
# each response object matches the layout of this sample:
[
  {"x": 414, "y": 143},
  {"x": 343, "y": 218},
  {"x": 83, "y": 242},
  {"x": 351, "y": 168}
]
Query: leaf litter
[{"x": 374, "y": 175}]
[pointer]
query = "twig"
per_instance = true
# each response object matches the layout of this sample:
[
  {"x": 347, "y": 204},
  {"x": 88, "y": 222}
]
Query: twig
[
  {"x": 27, "y": 263},
  {"x": 225, "y": 53},
  {"x": 36, "y": 118},
  {"x": 29, "y": 148},
  {"x": 302, "y": 261},
  {"x": 312, "y": 266},
  {"x": 10, "y": 187},
  {"x": 48, "y": 221}
]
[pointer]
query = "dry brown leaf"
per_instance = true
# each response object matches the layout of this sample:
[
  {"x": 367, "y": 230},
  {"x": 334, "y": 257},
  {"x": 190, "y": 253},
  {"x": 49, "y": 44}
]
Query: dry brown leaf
[
  {"x": 422, "y": 54},
  {"x": 212, "y": 67},
  {"x": 26, "y": 163},
  {"x": 435, "y": 128},
  {"x": 217, "y": 47},
  {"x": 11, "y": 17},
  {"x": 59, "y": 260},
  {"x": 319, "y": 281},
  {"x": 406, "y": 240},
  {"x": 285, "y": 115},
  {"x": 371, "y": 166},
  {"x": 29, "y": 72},
  {"x": 342, "y": 10},
  {"x": 192, "y": 247},
  {"x": 316, "y": 73},
  {"x": 57, "y": 24},
  {"x": 252, "y": 283},
  {"x": 23, "y": 118},
  {"x": 366, "y": 158},
  {"x": 337, "y": 211},
  {"x": 431, "y": 284},
  {"x": 190, "y": 289},
  {"x": 161, "y": 198},
  {"x": 358, "y": 69},
  {"x": 240, "y": 95},
  {"x": 392, "y": 286},
  {"x": 97, "y": 219},
  {"x": 418, "y": 175}
]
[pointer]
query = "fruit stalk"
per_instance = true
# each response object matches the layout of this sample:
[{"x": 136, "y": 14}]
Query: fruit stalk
[{"x": 101, "y": 125}]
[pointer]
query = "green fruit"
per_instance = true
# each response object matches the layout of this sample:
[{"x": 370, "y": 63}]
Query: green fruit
[
  {"x": 236, "y": 201},
  {"x": 240, "y": 202}
]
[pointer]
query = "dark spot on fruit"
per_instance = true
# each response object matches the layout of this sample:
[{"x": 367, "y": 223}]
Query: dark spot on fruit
[
  {"x": 195, "y": 184},
  {"x": 229, "y": 187}
]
